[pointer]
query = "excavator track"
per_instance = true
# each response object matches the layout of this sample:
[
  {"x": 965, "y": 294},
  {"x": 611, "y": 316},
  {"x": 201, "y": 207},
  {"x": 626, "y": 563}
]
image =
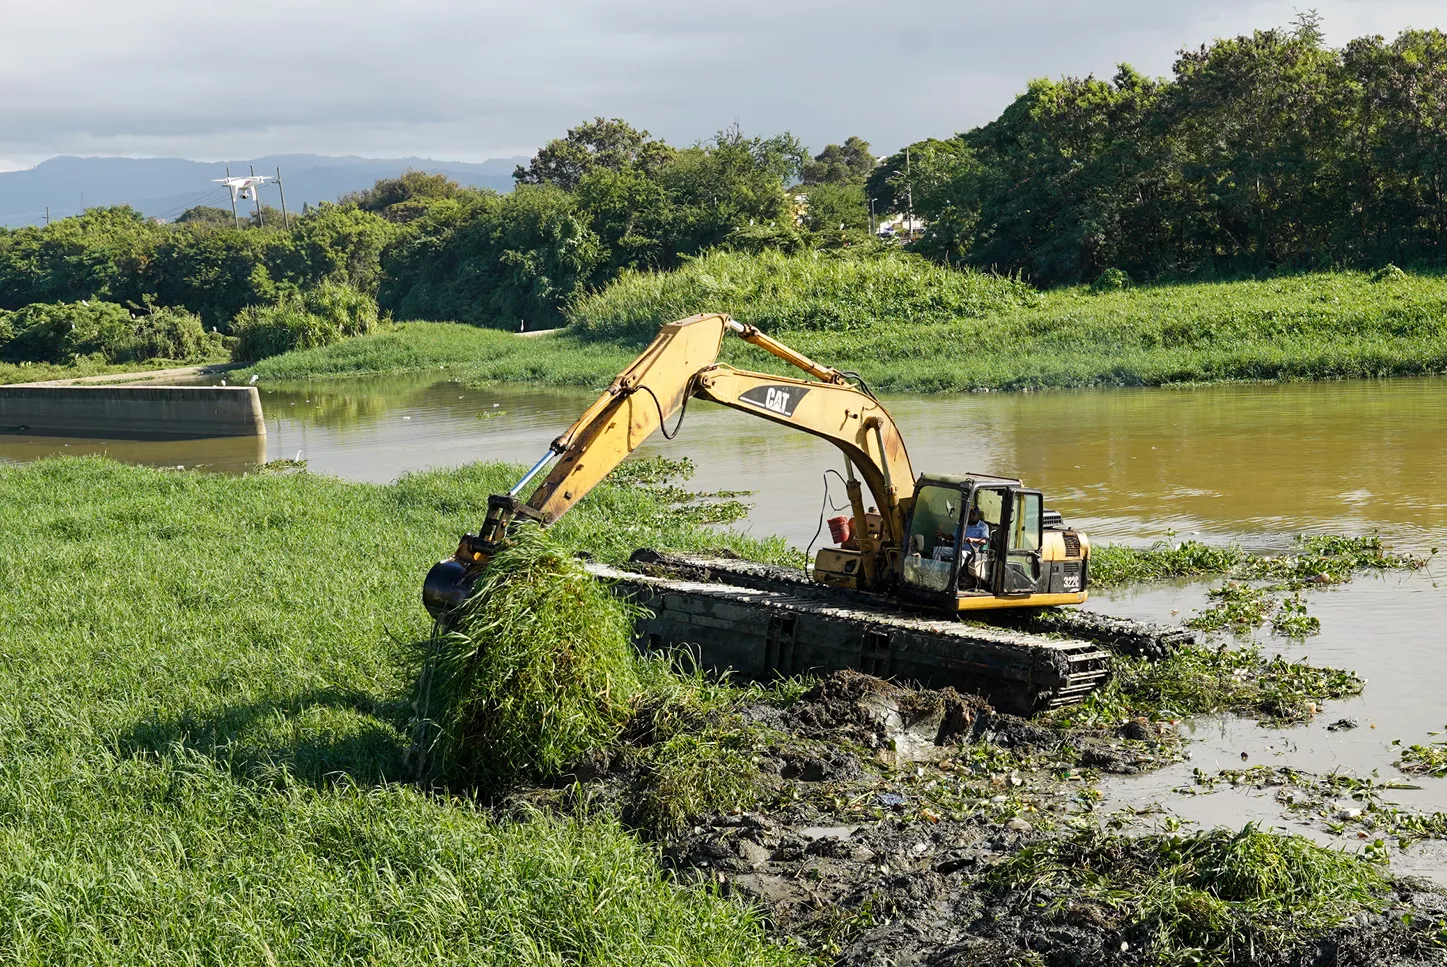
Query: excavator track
[
  {"x": 1123, "y": 635},
  {"x": 762, "y": 631}
]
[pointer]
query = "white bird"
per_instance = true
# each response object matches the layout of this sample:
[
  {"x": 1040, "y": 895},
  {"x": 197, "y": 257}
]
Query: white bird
[{"x": 253, "y": 379}]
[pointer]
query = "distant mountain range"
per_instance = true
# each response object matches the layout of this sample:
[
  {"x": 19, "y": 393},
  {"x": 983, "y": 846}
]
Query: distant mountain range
[{"x": 165, "y": 187}]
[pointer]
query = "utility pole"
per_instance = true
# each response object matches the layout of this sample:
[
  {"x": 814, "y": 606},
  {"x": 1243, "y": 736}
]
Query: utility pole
[
  {"x": 256, "y": 196},
  {"x": 871, "y": 216},
  {"x": 285, "y": 221},
  {"x": 47, "y": 216},
  {"x": 234, "y": 217},
  {"x": 909, "y": 190}
]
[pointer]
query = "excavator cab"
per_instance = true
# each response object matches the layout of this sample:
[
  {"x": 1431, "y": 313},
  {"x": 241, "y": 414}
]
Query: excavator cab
[{"x": 1010, "y": 552}]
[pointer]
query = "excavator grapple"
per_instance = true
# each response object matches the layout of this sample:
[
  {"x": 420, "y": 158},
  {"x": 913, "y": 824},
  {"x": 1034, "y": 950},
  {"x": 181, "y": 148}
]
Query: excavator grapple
[{"x": 941, "y": 579}]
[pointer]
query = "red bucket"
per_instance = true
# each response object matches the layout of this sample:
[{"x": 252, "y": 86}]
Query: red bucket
[{"x": 841, "y": 529}]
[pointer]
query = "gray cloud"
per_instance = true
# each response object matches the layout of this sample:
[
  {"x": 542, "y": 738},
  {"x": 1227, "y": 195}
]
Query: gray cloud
[{"x": 469, "y": 81}]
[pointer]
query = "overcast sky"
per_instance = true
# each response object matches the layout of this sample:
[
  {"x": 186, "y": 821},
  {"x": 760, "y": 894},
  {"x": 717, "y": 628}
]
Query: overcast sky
[{"x": 469, "y": 81}]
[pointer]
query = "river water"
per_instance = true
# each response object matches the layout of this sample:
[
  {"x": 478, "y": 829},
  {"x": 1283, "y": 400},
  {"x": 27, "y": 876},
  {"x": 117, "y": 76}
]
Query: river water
[{"x": 1256, "y": 464}]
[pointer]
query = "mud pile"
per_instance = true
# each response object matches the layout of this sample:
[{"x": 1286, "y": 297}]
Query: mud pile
[{"x": 888, "y": 811}]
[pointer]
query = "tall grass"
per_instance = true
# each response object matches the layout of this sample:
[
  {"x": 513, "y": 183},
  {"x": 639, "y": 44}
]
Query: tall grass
[
  {"x": 458, "y": 352},
  {"x": 911, "y": 327},
  {"x": 204, "y": 699},
  {"x": 816, "y": 291}
]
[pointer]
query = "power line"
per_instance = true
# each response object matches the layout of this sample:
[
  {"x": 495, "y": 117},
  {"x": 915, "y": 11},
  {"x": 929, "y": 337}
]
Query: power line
[{"x": 130, "y": 201}]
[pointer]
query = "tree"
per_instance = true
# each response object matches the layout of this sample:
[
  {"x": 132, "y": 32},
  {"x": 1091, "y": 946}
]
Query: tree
[
  {"x": 96, "y": 255},
  {"x": 612, "y": 144},
  {"x": 839, "y": 164},
  {"x": 833, "y": 207},
  {"x": 405, "y": 197},
  {"x": 205, "y": 215},
  {"x": 726, "y": 183},
  {"x": 493, "y": 260}
]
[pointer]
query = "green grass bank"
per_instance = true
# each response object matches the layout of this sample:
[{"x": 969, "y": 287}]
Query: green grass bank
[
  {"x": 203, "y": 702},
  {"x": 908, "y": 326}
]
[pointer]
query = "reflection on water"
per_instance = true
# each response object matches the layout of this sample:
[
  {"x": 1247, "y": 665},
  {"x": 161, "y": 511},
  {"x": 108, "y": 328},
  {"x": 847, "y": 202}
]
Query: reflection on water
[{"x": 228, "y": 454}]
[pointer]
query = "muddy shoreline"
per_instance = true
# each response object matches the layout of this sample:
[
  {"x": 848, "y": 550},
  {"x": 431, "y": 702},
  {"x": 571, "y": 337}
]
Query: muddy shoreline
[{"x": 882, "y": 817}]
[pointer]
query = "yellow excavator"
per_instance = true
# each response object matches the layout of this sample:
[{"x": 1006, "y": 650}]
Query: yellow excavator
[{"x": 936, "y": 542}]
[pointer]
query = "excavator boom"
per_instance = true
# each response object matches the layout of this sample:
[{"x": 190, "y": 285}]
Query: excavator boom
[{"x": 681, "y": 362}]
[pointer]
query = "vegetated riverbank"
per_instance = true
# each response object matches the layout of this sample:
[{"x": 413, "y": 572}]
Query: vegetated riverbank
[
  {"x": 209, "y": 686},
  {"x": 908, "y": 326}
]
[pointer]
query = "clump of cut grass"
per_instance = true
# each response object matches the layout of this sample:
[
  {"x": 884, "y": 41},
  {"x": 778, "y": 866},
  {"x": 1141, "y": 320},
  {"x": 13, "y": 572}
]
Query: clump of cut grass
[
  {"x": 698, "y": 773},
  {"x": 1204, "y": 681},
  {"x": 538, "y": 673},
  {"x": 1215, "y": 897}
]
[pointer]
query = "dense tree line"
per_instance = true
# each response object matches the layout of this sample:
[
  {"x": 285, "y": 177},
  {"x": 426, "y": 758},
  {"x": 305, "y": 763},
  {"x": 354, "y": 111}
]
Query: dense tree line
[
  {"x": 604, "y": 198},
  {"x": 1263, "y": 153}
]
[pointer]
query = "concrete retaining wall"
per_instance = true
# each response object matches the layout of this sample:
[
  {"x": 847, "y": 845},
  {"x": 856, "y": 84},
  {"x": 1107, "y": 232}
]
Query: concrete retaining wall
[{"x": 132, "y": 412}]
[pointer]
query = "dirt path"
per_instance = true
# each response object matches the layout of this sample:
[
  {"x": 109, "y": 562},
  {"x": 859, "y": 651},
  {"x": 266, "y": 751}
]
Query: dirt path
[{"x": 143, "y": 376}]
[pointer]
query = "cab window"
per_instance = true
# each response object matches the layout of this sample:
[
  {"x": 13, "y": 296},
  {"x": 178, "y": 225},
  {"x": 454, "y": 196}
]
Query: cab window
[
  {"x": 930, "y": 552},
  {"x": 1022, "y": 569}
]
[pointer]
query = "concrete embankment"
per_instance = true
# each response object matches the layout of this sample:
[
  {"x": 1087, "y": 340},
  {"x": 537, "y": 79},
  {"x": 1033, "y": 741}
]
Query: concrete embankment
[{"x": 132, "y": 412}]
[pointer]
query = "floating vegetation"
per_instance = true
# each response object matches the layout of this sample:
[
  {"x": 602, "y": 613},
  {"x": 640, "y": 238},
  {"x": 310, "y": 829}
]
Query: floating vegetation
[
  {"x": 1214, "y": 897},
  {"x": 1202, "y": 681},
  {"x": 1424, "y": 760},
  {"x": 1339, "y": 803},
  {"x": 1316, "y": 560}
]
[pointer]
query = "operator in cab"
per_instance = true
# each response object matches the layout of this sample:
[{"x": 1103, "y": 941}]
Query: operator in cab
[{"x": 977, "y": 532}]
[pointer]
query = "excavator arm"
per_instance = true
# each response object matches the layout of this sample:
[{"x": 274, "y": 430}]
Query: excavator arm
[{"x": 682, "y": 362}]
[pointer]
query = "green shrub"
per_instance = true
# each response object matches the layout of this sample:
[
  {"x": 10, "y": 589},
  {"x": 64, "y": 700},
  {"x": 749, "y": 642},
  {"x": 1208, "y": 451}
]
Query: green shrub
[
  {"x": 168, "y": 333},
  {"x": 854, "y": 289},
  {"x": 263, "y": 331},
  {"x": 351, "y": 311},
  {"x": 539, "y": 672},
  {"x": 1111, "y": 280},
  {"x": 321, "y": 316},
  {"x": 58, "y": 332}
]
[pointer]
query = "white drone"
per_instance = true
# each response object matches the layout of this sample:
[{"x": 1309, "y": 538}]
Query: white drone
[{"x": 243, "y": 187}]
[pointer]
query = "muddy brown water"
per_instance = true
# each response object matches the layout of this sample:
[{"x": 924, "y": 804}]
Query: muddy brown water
[{"x": 1255, "y": 464}]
